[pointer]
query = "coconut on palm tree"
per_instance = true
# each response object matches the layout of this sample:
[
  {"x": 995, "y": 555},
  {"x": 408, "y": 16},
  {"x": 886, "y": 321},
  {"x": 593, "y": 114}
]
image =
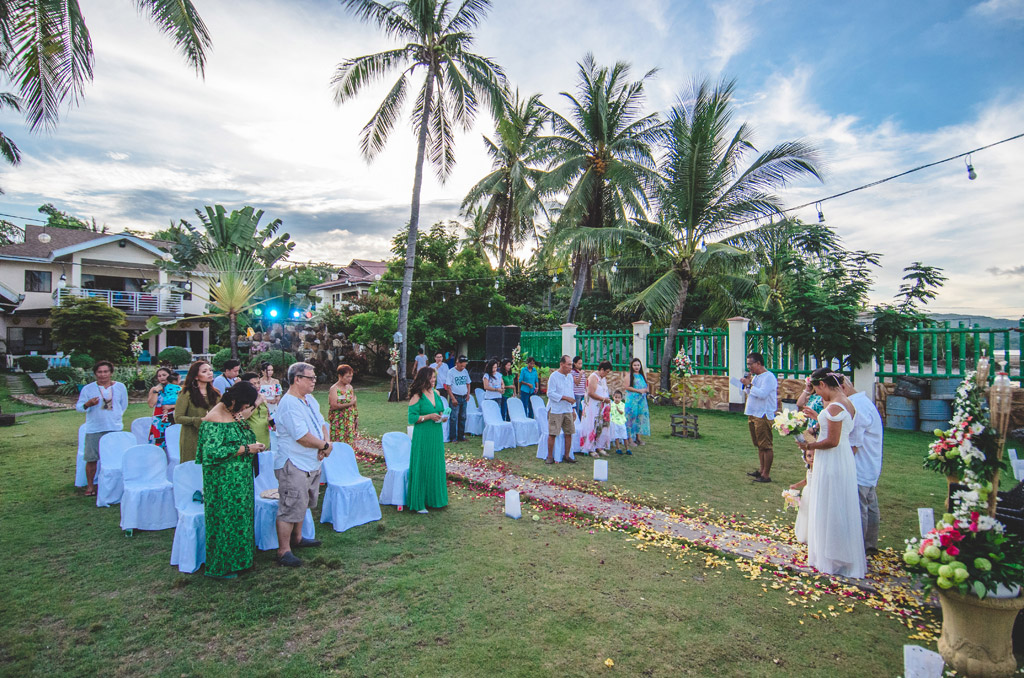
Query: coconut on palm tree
[
  {"x": 601, "y": 160},
  {"x": 436, "y": 37}
]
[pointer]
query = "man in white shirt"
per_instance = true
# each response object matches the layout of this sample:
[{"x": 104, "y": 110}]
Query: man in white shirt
[
  {"x": 762, "y": 389},
  {"x": 866, "y": 440},
  {"x": 442, "y": 373},
  {"x": 420, "y": 360},
  {"x": 103, "y": 402},
  {"x": 457, "y": 382},
  {"x": 303, "y": 440},
  {"x": 228, "y": 376},
  {"x": 561, "y": 402}
]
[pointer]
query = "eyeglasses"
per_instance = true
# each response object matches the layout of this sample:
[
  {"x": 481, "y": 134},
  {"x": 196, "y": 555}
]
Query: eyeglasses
[{"x": 306, "y": 376}]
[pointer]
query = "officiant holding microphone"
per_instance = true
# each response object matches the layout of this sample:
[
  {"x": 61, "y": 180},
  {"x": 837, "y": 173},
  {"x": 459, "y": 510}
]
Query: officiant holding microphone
[{"x": 762, "y": 390}]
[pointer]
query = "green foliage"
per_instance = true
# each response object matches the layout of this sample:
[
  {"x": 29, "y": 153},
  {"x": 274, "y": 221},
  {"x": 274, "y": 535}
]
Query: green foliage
[
  {"x": 219, "y": 358},
  {"x": 175, "y": 355},
  {"x": 214, "y": 348},
  {"x": 279, "y": 359},
  {"x": 130, "y": 375},
  {"x": 58, "y": 219},
  {"x": 33, "y": 363},
  {"x": 66, "y": 374},
  {"x": 334, "y": 320},
  {"x": 90, "y": 326},
  {"x": 921, "y": 285},
  {"x": 82, "y": 361}
]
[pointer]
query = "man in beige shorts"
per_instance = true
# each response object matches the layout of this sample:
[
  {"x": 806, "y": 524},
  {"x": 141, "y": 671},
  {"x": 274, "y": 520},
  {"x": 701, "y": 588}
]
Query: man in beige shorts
[
  {"x": 303, "y": 441},
  {"x": 561, "y": 402}
]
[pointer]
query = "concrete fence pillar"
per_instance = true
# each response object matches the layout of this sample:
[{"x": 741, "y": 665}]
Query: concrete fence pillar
[
  {"x": 569, "y": 339},
  {"x": 737, "y": 355},
  {"x": 641, "y": 330},
  {"x": 864, "y": 378}
]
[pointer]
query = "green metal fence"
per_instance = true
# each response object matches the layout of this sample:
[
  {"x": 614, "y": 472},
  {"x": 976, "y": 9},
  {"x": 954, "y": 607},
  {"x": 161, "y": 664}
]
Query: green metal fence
[
  {"x": 708, "y": 349},
  {"x": 946, "y": 352},
  {"x": 780, "y": 356},
  {"x": 597, "y": 346},
  {"x": 545, "y": 347}
]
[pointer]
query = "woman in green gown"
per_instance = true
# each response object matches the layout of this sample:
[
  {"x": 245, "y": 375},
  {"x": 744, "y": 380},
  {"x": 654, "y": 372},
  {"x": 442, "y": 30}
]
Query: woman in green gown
[
  {"x": 225, "y": 445},
  {"x": 428, "y": 478}
]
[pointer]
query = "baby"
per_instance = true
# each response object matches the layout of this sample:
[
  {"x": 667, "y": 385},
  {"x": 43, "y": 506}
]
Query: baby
[
  {"x": 170, "y": 394},
  {"x": 618, "y": 419}
]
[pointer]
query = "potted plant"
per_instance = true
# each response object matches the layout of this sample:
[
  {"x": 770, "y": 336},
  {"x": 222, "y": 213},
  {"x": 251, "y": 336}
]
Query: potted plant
[{"x": 976, "y": 567}]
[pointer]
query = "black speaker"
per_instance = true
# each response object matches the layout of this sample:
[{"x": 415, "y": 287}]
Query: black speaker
[{"x": 500, "y": 341}]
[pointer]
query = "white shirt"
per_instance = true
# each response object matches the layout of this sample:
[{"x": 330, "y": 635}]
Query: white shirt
[
  {"x": 222, "y": 383},
  {"x": 295, "y": 418},
  {"x": 494, "y": 381},
  {"x": 442, "y": 374},
  {"x": 98, "y": 419},
  {"x": 421, "y": 362},
  {"x": 560, "y": 385},
  {"x": 762, "y": 395},
  {"x": 457, "y": 381},
  {"x": 866, "y": 435}
]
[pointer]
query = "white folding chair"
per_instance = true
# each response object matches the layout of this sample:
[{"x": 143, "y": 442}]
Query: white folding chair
[
  {"x": 350, "y": 499},
  {"x": 397, "y": 449},
  {"x": 140, "y": 429},
  {"x": 542, "y": 442},
  {"x": 148, "y": 499},
  {"x": 525, "y": 428},
  {"x": 109, "y": 478},
  {"x": 188, "y": 551},
  {"x": 474, "y": 417},
  {"x": 80, "y": 480},
  {"x": 265, "y": 514},
  {"x": 479, "y": 393},
  {"x": 172, "y": 441},
  {"x": 537, "y": 403},
  {"x": 496, "y": 429}
]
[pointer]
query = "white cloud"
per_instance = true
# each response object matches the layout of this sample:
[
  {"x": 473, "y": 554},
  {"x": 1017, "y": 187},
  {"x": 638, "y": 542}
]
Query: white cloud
[
  {"x": 1012, "y": 10},
  {"x": 732, "y": 33}
]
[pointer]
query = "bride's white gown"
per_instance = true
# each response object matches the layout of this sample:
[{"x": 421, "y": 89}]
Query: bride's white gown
[{"x": 835, "y": 540}]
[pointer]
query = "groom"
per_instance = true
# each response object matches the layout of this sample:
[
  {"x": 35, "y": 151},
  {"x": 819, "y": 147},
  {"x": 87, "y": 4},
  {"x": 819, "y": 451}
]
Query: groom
[{"x": 762, "y": 389}]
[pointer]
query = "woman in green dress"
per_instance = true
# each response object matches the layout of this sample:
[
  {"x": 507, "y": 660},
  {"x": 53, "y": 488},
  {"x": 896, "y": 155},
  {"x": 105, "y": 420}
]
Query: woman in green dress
[
  {"x": 225, "y": 445},
  {"x": 428, "y": 477}
]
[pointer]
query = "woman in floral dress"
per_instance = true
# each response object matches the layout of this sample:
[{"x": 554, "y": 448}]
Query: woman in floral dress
[
  {"x": 595, "y": 430},
  {"x": 225, "y": 446},
  {"x": 343, "y": 415},
  {"x": 638, "y": 414},
  {"x": 157, "y": 401}
]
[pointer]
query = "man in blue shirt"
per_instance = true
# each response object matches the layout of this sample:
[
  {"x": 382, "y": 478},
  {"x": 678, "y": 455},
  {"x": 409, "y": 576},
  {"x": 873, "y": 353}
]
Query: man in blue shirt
[{"x": 529, "y": 381}]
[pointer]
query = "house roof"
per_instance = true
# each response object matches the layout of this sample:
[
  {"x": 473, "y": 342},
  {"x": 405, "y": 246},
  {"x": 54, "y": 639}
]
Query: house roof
[
  {"x": 65, "y": 240},
  {"x": 360, "y": 271}
]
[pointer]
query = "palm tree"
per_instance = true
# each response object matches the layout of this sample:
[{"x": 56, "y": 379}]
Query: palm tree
[
  {"x": 477, "y": 236},
  {"x": 707, "y": 194},
  {"x": 601, "y": 159},
  {"x": 509, "y": 192},
  {"x": 47, "y": 52},
  {"x": 437, "y": 38}
]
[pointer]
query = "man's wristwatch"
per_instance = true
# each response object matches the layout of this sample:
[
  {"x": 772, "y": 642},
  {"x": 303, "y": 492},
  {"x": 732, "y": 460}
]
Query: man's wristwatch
[{"x": 327, "y": 446}]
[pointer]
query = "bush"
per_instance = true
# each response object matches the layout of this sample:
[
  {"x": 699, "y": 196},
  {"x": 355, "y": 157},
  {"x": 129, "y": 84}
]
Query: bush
[
  {"x": 175, "y": 355},
  {"x": 219, "y": 358},
  {"x": 82, "y": 361},
  {"x": 215, "y": 348},
  {"x": 33, "y": 363},
  {"x": 279, "y": 359},
  {"x": 90, "y": 325},
  {"x": 129, "y": 375},
  {"x": 71, "y": 375}
]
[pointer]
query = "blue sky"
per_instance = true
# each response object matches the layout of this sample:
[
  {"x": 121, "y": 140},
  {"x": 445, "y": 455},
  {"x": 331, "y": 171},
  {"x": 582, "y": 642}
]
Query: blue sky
[{"x": 880, "y": 86}]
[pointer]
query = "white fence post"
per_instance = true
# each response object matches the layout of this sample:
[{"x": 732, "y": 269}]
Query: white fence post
[
  {"x": 569, "y": 339},
  {"x": 737, "y": 355},
  {"x": 864, "y": 378},
  {"x": 641, "y": 330}
]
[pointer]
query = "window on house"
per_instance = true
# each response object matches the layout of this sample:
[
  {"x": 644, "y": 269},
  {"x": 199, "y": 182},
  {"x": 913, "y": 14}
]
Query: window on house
[
  {"x": 24, "y": 340},
  {"x": 38, "y": 281}
]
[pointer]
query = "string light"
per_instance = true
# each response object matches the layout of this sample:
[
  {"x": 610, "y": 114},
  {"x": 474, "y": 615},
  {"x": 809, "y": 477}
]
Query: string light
[
  {"x": 615, "y": 267},
  {"x": 821, "y": 215},
  {"x": 457, "y": 292},
  {"x": 495, "y": 283},
  {"x": 971, "y": 174},
  {"x": 554, "y": 278},
  {"x": 488, "y": 304}
]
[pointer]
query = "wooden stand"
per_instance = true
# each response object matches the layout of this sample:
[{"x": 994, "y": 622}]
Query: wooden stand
[{"x": 684, "y": 425}]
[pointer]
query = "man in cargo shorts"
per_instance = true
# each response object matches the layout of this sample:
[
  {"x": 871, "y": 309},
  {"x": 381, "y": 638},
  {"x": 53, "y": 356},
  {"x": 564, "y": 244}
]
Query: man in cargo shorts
[
  {"x": 303, "y": 443},
  {"x": 561, "y": 402}
]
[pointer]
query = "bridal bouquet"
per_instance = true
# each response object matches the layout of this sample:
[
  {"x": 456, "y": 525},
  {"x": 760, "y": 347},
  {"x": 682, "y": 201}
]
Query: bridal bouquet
[
  {"x": 788, "y": 421},
  {"x": 792, "y": 498}
]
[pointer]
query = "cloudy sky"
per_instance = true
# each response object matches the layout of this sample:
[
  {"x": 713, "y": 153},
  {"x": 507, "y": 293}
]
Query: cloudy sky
[{"x": 881, "y": 86}]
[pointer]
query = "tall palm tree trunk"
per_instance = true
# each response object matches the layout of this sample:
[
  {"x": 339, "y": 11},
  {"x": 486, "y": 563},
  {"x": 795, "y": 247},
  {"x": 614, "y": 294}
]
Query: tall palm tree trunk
[
  {"x": 233, "y": 333},
  {"x": 673, "y": 328},
  {"x": 506, "y": 231},
  {"x": 582, "y": 274},
  {"x": 414, "y": 222}
]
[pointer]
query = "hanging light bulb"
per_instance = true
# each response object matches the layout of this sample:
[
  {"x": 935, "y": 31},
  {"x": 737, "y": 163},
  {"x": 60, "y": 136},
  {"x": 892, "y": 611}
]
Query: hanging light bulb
[
  {"x": 495, "y": 283},
  {"x": 266, "y": 278},
  {"x": 615, "y": 267},
  {"x": 443, "y": 298},
  {"x": 554, "y": 278},
  {"x": 971, "y": 174},
  {"x": 218, "y": 282},
  {"x": 63, "y": 280},
  {"x": 821, "y": 215},
  {"x": 595, "y": 316},
  {"x": 488, "y": 304},
  {"x": 457, "y": 292}
]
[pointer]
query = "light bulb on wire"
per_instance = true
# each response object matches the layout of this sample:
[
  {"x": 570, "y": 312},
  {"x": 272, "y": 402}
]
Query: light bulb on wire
[
  {"x": 495, "y": 283},
  {"x": 457, "y": 292},
  {"x": 615, "y": 267},
  {"x": 821, "y": 215},
  {"x": 488, "y": 304},
  {"x": 971, "y": 174},
  {"x": 554, "y": 278}
]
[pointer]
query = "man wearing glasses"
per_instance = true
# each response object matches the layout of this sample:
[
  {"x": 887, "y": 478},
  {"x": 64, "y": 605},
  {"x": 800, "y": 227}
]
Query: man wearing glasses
[{"x": 303, "y": 442}]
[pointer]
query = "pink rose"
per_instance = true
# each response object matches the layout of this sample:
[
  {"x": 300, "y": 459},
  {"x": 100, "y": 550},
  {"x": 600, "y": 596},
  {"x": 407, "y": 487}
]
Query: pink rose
[{"x": 953, "y": 551}]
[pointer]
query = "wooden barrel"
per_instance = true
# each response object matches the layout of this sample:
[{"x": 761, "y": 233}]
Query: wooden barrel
[
  {"x": 944, "y": 389},
  {"x": 900, "y": 413}
]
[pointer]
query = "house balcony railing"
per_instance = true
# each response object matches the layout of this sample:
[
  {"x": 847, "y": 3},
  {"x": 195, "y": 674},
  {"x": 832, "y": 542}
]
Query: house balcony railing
[{"x": 132, "y": 303}]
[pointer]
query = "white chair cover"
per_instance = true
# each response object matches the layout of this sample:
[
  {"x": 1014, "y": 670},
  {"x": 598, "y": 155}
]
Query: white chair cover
[
  {"x": 188, "y": 551},
  {"x": 525, "y": 428},
  {"x": 495, "y": 429},
  {"x": 109, "y": 479},
  {"x": 474, "y": 417},
  {"x": 541, "y": 413},
  {"x": 148, "y": 500},
  {"x": 479, "y": 394},
  {"x": 140, "y": 429},
  {"x": 538, "y": 403},
  {"x": 397, "y": 449},
  {"x": 172, "y": 440},
  {"x": 350, "y": 499},
  {"x": 265, "y": 516},
  {"x": 80, "y": 459}
]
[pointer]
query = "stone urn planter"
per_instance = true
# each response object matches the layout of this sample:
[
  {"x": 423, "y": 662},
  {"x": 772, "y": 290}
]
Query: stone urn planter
[{"x": 976, "y": 637}]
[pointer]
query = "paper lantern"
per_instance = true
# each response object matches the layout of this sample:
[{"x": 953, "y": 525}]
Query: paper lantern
[
  {"x": 512, "y": 506},
  {"x": 601, "y": 469},
  {"x": 488, "y": 449}
]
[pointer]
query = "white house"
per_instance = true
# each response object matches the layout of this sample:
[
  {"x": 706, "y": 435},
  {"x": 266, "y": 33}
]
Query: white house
[
  {"x": 350, "y": 282},
  {"x": 37, "y": 274}
]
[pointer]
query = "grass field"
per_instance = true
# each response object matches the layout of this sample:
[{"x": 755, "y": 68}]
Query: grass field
[{"x": 461, "y": 592}]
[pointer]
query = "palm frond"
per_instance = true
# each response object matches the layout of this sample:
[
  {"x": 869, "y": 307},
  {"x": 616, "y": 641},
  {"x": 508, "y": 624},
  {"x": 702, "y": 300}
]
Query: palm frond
[{"x": 180, "y": 20}]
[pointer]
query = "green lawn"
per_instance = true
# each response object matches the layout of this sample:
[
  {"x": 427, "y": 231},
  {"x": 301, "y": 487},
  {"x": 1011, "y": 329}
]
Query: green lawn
[
  {"x": 8, "y": 404},
  {"x": 464, "y": 592}
]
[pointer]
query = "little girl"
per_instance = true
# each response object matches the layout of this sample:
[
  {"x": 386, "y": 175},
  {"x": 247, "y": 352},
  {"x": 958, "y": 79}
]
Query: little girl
[
  {"x": 803, "y": 513},
  {"x": 618, "y": 419}
]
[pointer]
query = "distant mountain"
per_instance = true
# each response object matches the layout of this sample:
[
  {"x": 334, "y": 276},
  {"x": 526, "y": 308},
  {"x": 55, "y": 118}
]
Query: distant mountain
[{"x": 984, "y": 321}]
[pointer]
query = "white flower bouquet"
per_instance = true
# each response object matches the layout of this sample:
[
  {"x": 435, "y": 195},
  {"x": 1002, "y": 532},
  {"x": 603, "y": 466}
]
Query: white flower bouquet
[{"x": 789, "y": 422}]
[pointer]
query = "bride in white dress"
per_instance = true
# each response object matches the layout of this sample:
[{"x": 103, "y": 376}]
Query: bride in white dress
[{"x": 835, "y": 540}]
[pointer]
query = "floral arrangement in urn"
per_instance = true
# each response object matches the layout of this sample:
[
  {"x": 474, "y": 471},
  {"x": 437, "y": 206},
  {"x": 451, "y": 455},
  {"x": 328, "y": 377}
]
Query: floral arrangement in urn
[
  {"x": 682, "y": 365},
  {"x": 394, "y": 356}
]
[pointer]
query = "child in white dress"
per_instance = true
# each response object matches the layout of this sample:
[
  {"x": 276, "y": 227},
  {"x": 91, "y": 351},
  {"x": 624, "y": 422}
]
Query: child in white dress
[{"x": 618, "y": 420}]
